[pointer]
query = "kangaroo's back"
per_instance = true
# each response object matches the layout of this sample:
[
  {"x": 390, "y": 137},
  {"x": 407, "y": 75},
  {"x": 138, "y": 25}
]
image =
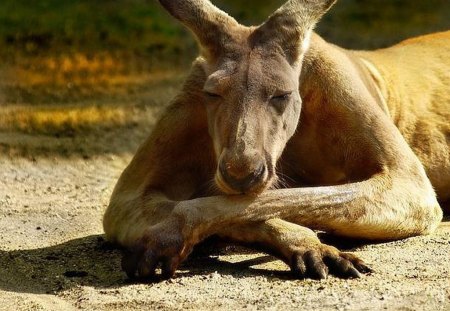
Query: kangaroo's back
[{"x": 415, "y": 82}]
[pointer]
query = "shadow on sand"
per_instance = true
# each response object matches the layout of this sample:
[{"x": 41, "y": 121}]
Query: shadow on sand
[{"x": 91, "y": 261}]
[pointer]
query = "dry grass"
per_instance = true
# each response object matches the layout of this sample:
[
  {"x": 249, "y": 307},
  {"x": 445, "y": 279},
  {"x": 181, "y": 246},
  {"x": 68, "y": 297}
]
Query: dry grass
[
  {"x": 80, "y": 104},
  {"x": 63, "y": 120},
  {"x": 80, "y": 69}
]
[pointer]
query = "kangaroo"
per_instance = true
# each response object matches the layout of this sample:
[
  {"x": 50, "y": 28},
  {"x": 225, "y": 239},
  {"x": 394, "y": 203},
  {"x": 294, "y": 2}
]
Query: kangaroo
[{"x": 277, "y": 133}]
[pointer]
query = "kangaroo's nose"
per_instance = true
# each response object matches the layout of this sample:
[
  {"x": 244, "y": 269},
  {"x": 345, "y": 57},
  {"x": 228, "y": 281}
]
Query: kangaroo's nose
[{"x": 239, "y": 182}]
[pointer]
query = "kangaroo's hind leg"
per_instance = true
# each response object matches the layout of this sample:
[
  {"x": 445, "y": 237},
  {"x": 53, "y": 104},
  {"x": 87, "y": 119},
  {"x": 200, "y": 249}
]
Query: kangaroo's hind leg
[{"x": 299, "y": 247}]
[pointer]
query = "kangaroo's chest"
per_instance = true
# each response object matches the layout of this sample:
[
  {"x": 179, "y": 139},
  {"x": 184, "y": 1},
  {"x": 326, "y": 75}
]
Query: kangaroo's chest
[{"x": 305, "y": 162}]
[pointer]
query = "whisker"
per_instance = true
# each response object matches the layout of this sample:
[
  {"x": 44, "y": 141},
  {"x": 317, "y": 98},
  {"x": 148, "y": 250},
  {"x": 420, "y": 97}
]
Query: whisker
[
  {"x": 212, "y": 186},
  {"x": 282, "y": 179}
]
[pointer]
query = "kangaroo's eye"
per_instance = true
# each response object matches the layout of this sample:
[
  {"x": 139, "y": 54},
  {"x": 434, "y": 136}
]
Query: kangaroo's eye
[
  {"x": 280, "y": 101},
  {"x": 212, "y": 95},
  {"x": 281, "y": 97}
]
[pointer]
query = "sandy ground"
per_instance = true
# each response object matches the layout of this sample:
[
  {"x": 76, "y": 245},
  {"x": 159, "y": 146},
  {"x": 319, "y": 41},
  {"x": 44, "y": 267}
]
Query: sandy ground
[{"x": 53, "y": 256}]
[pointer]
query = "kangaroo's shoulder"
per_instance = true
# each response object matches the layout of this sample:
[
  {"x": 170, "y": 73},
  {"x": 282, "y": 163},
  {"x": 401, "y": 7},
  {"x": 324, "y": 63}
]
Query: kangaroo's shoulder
[{"x": 441, "y": 38}]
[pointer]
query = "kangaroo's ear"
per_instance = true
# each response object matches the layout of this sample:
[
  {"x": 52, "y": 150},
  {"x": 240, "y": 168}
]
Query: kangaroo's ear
[
  {"x": 291, "y": 24},
  {"x": 212, "y": 27}
]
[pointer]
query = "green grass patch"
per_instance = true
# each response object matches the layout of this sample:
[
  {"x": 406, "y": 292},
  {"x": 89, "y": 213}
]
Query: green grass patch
[{"x": 144, "y": 28}]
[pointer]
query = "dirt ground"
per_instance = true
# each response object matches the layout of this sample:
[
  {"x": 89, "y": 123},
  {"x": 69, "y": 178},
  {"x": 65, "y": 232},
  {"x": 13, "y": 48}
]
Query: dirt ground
[{"x": 53, "y": 256}]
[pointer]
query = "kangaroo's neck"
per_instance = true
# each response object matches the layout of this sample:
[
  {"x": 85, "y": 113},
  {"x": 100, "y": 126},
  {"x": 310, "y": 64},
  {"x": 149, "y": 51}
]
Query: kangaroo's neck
[
  {"x": 323, "y": 60},
  {"x": 336, "y": 88}
]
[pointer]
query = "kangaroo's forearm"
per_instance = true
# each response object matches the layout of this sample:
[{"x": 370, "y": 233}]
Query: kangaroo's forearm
[
  {"x": 318, "y": 207},
  {"x": 378, "y": 208},
  {"x": 354, "y": 210},
  {"x": 282, "y": 203}
]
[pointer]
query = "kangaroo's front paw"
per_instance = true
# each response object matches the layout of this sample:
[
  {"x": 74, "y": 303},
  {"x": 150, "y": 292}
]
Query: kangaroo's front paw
[
  {"x": 162, "y": 245},
  {"x": 316, "y": 260}
]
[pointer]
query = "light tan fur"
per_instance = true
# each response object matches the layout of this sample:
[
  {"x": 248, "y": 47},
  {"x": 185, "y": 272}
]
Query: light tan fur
[{"x": 277, "y": 132}]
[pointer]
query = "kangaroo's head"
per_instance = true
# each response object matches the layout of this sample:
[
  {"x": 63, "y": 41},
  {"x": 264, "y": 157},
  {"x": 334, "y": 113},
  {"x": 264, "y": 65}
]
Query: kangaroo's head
[{"x": 251, "y": 91}]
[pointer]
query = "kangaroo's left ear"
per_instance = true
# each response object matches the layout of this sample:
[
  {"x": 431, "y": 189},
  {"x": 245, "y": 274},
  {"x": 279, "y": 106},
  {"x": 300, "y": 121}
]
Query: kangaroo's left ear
[{"x": 291, "y": 24}]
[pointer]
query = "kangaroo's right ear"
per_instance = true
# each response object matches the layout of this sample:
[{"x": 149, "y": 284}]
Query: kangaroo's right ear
[
  {"x": 290, "y": 25},
  {"x": 211, "y": 26}
]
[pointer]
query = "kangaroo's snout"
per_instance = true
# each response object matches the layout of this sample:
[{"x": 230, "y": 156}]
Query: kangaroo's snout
[{"x": 244, "y": 173}]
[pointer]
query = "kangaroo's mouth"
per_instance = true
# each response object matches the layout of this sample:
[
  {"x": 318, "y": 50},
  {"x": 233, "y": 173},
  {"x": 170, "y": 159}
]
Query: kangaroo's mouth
[{"x": 253, "y": 184}]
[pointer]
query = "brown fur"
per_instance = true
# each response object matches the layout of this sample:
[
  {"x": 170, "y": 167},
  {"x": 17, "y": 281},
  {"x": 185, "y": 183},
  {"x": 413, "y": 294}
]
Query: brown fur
[{"x": 365, "y": 132}]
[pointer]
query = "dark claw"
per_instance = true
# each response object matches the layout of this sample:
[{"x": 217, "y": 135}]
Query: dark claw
[
  {"x": 316, "y": 269},
  {"x": 354, "y": 273},
  {"x": 341, "y": 267},
  {"x": 357, "y": 263},
  {"x": 363, "y": 268},
  {"x": 147, "y": 265},
  {"x": 169, "y": 267},
  {"x": 351, "y": 272},
  {"x": 140, "y": 264},
  {"x": 129, "y": 263},
  {"x": 298, "y": 266}
]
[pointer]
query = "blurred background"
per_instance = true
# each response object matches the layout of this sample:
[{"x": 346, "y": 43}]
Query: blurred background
[{"x": 83, "y": 78}]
